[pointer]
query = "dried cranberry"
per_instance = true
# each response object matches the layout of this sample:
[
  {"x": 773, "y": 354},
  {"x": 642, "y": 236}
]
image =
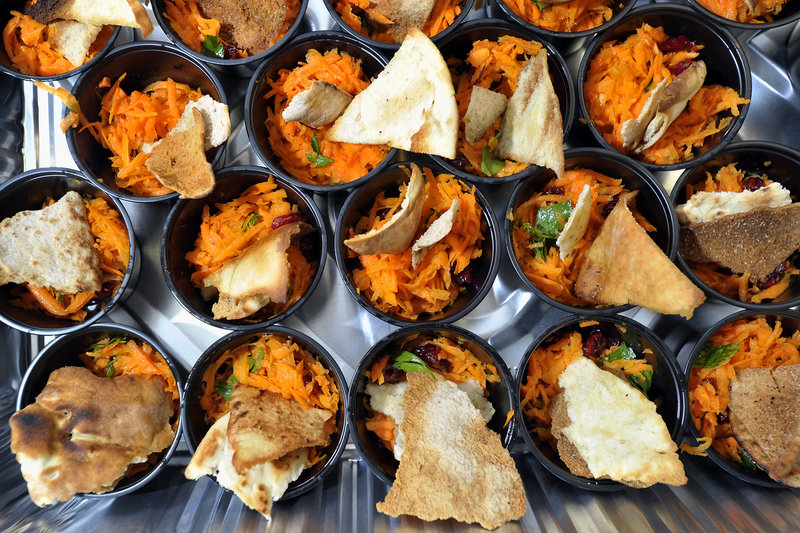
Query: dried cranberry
[
  {"x": 306, "y": 379},
  {"x": 105, "y": 291},
  {"x": 609, "y": 207},
  {"x": 460, "y": 162},
  {"x": 554, "y": 190},
  {"x": 231, "y": 52},
  {"x": 393, "y": 375},
  {"x": 465, "y": 277},
  {"x": 381, "y": 213},
  {"x": 677, "y": 44},
  {"x": 430, "y": 354},
  {"x": 752, "y": 183},
  {"x": 594, "y": 344},
  {"x": 722, "y": 418},
  {"x": 677, "y": 68},
  {"x": 282, "y": 220},
  {"x": 773, "y": 278},
  {"x": 712, "y": 381}
]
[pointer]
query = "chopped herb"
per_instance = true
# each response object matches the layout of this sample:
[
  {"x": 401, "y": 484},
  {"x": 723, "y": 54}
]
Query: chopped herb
[
  {"x": 712, "y": 356},
  {"x": 110, "y": 370},
  {"x": 623, "y": 352},
  {"x": 649, "y": 86},
  {"x": 110, "y": 342},
  {"x": 251, "y": 220},
  {"x": 318, "y": 159},
  {"x": 633, "y": 340},
  {"x": 225, "y": 388},
  {"x": 408, "y": 362},
  {"x": 526, "y": 227},
  {"x": 211, "y": 47},
  {"x": 255, "y": 362},
  {"x": 60, "y": 297},
  {"x": 550, "y": 220},
  {"x": 642, "y": 380},
  {"x": 747, "y": 462},
  {"x": 490, "y": 165},
  {"x": 540, "y": 5}
]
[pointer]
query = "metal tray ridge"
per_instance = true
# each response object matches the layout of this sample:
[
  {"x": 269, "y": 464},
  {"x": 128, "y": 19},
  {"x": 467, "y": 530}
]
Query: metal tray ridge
[{"x": 509, "y": 318}]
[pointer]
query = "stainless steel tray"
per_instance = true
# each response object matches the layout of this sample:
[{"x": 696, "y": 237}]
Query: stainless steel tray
[{"x": 508, "y": 318}]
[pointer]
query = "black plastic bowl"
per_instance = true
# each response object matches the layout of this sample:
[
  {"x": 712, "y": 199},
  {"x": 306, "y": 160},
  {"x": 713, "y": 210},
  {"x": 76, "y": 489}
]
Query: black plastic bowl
[
  {"x": 28, "y": 191},
  {"x": 183, "y": 226},
  {"x": 466, "y": 8},
  {"x": 484, "y": 268},
  {"x": 780, "y": 163},
  {"x": 64, "y": 351},
  {"x": 242, "y": 67},
  {"x": 652, "y": 202},
  {"x": 789, "y": 14},
  {"x": 665, "y": 391},
  {"x": 295, "y": 52},
  {"x": 378, "y": 458},
  {"x": 791, "y": 322},
  {"x": 5, "y": 62},
  {"x": 723, "y": 55},
  {"x": 459, "y": 43},
  {"x": 195, "y": 427},
  {"x": 143, "y": 63}
]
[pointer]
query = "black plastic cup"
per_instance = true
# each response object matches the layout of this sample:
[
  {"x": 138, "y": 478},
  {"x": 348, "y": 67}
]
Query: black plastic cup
[
  {"x": 143, "y": 63},
  {"x": 459, "y": 43},
  {"x": 242, "y": 67},
  {"x": 183, "y": 226},
  {"x": 29, "y": 191},
  {"x": 390, "y": 48},
  {"x": 652, "y": 202},
  {"x": 724, "y": 57},
  {"x": 195, "y": 426},
  {"x": 378, "y": 458},
  {"x": 65, "y": 351},
  {"x": 484, "y": 269},
  {"x": 791, "y": 322},
  {"x": 666, "y": 391},
  {"x": 295, "y": 52},
  {"x": 789, "y": 14},
  {"x": 780, "y": 163},
  {"x": 7, "y": 67}
]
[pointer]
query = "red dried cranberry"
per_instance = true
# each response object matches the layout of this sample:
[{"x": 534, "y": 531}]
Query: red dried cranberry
[
  {"x": 106, "y": 291},
  {"x": 393, "y": 375},
  {"x": 460, "y": 162},
  {"x": 381, "y": 213},
  {"x": 282, "y": 220},
  {"x": 594, "y": 344},
  {"x": 430, "y": 354},
  {"x": 712, "y": 381},
  {"x": 773, "y": 278},
  {"x": 554, "y": 190},
  {"x": 465, "y": 277},
  {"x": 231, "y": 52},
  {"x": 722, "y": 418},
  {"x": 677, "y": 44},
  {"x": 609, "y": 207},
  {"x": 306, "y": 379},
  {"x": 679, "y": 67},
  {"x": 752, "y": 183}
]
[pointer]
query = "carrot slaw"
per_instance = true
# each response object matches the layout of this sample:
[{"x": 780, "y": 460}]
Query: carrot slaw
[
  {"x": 362, "y": 17},
  {"x": 573, "y": 16},
  {"x": 737, "y": 10}
]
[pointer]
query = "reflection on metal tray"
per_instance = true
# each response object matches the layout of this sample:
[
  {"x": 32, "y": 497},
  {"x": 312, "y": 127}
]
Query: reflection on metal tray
[{"x": 508, "y": 318}]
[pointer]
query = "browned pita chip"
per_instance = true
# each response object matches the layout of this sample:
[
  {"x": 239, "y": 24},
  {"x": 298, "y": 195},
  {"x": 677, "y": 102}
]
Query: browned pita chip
[
  {"x": 453, "y": 466},
  {"x": 117, "y": 12},
  {"x": 624, "y": 266},
  {"x": 321, "y": 104},
  {"x": 253, "y": 25},
  {"x": 756, "y": 241},
  {"x": 404, "y": 15}
]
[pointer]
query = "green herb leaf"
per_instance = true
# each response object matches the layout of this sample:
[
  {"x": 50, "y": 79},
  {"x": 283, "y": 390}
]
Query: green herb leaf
[
  {"x": 642, "y": 380},
  {"x": 255, "y": 362},
  {"x": 60, "y": 297},
  {"x": 526, "y": 227},
  {"x": 623, "y": 352},
  {"x": 408, "y": 362},
  {"x": 211, "y": 47},
  {"x": 251, "y": 220},
  {"x": 649, "y": 86},
  {"x": 110, "y": 342},
  {"x": 712, "y": 356},
  {"x": 747, "y": 462},
  {"x": 318, "y": 159},
  {"x": 633, "y": 340},
  {"x": 550, "y": 220},
  {"x": 540, "y": 5},
  {"x": 225, "y": 388},
  {"x": 110, "y": 370},
  {"x": 490, "y": 165}
]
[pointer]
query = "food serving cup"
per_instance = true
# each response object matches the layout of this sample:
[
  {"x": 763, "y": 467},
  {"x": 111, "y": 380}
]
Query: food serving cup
[
  {"x": 652, "y": 202},
  {"x": 195, "y": 427},
  {"x": 242, "y": 67},
  {"x": 183, "y": 226},
  {"x": 390, "y": 48},
  {"x": 143, "y": 63},
  {"x": 8, "y": 68},
  {"x": 359, "y": 202},
  {"x": 378, "y": 458},
  {"x": 64, "y": 351},
  {"x": 790, "y": 321},
  {"x": 255, "y": 105},
  {"x": 780, "y": 163},
  {"x": 789, "y": 14},
  {"x": 459, "y": 43},
  {"x": 666, "y": 392},
  {"x": 29, "y": 191},
  {"x": 724, "y": 57}
]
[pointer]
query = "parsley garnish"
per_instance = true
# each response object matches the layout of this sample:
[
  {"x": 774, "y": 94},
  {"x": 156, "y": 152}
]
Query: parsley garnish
[
  {"x": 747, "y": 462},
  {"x": 712, "y": 356},
  {"x": 649, "y": 86},
  {"x": 255, "y": 362},
  {"x": 408, "y": 362},
  {"x": 109, "y": 342},
  {"x": 60, "y": 297},
  {"x": 540, "y": 5},
  {"x": 550, "y": 220},
  {"x": 251, "y": 220},
  {"x": 211, "y": 47},
  {"x": 642, "y": 381},
  {"x": 318, "y": 159},
  {"x": 490, "y": 165},
  {"x": 110, "y": 370},
  {"x": 225, "y": 388},
  {"x": 623, "y": 352}
]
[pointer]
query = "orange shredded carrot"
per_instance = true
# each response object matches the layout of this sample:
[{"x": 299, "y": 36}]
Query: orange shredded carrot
[
  {"x": 737, "y": 10},
  {"x": 492, "y": 65},
  {"x": 362, "y": 17},
  {"x": 573, "y": 16},
  {"x": 704, "y": 443},
  {"x": 554, "y": 277},
  {"x": 383, "y": 426},
  {"x": 761, "y": 345},
  {"x": 274, "y": 363},
  {"x": 730, "y": 178},
  {"x": 291, "y": 141},
  {"x": 389, "y": 281}
]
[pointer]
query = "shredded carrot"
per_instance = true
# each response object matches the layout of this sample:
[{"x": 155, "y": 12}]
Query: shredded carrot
[
  {"x": 738, "y": 285},
  {"x": 389, "y": 281},
  {"x": 761, "y": 345},
  {"x": 617, "y": 87},
  {"x": 737, "y": 10},
  {"x": 704, "y": 443},
  {"x": 274, "y": 363},
  {"x": 383, "y": 426},
  {"x": 362, "y": 17},
  {"x": 509, "y": 416},
  {"x": 28, "y": 45},
  {"x": 292, "y": 141},
  {"x": 573, "y": 16},
  {"x": 554, "y": 277},
  {"x": 492, "y": 65}
]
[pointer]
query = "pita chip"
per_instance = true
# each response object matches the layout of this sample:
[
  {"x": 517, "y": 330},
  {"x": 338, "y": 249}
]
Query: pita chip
[
  {"x": 116, "y": 12},
  {"x": 484, "y": 108},
  {"x": 402, "y": 15},
  {"x": 437, "y": 231},
  {"x": 74, "y": 39},
  {"x": 624, "y": 266},
  {"x": 576, "y": 224},
  {"x": 633, "y": 129},
  {"x": 321, "y": 104},
  {"x": 706, "y": 206}
]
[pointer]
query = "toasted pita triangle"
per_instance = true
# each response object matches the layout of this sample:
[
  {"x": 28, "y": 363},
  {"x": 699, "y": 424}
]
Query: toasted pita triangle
[
  {"x": 576, "y": 224},
  {"x": 117, "y": 12},
  {"x": 624, "y": 266},
  {"x": 437, "y": 231},
  {"x": 411, "y": 105},
  {"x": 484, "y": 108},
  {"x": 633, "y": 129},
  {"x": 321, "y": 104},
  {"x": 404, "y": 15}
]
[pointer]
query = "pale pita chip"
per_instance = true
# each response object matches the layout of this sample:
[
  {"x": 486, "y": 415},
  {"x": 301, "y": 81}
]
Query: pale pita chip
[
  {"x": 706, "y": 206},
  {"x": 396, "y": 235},
  {"x": 616, "y": 429},
  {"x": 74, "y": 39},
  {"x": 321, "y": 104},
  {"x": 533, "y": 131},
  {"x": 116, "y": 12},
  {"x": 576, "y": 224},
  {"x": 624, "y": 266},
  {"x": 633, "y": 129},
  {"x": 484, "y": 108},
  {"x": 437, "y": 231},
  {"x": 411, "y": 105}
]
